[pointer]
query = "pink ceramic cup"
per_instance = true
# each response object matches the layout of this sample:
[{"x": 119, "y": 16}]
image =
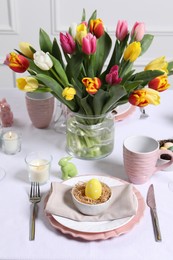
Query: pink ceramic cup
[
  {"x": 40, "y": 107},
  {"x": 141, "y": 154}
]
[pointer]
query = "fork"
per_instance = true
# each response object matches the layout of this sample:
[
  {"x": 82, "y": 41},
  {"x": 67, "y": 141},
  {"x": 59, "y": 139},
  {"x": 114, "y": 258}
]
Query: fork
[{"x": 34, "y": 199}]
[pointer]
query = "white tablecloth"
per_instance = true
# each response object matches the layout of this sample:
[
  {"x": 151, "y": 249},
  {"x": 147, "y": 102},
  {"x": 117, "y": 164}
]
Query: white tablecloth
[{"x": 51, "y": 244}]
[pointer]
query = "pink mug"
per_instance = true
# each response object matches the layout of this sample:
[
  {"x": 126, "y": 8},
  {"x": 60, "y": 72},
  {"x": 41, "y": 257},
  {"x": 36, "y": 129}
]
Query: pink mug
[{"x": 141, "y": 154}]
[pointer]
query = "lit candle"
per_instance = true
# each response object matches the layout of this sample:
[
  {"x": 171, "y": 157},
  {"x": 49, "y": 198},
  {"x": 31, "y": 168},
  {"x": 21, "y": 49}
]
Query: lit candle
[
  {"x": 38, "y": 166},
  {"x": 39, "y": 170},
  {"x": 10, "y": 142}
]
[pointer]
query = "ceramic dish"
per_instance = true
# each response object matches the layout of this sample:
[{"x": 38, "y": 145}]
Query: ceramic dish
[
  {"x": 124, "y": 111},
  {"x": 121, "y": 228},
  {"x": 92, "y": 227}
]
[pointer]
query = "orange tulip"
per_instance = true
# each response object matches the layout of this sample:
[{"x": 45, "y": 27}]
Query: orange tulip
[
  {"x": 160, "y": 83},
  {"x": 96, "y": 27},
  {"x": 144, "y": 97},
  {"x": 92, "y": 84},
  {"x": 17, "y": 62}
]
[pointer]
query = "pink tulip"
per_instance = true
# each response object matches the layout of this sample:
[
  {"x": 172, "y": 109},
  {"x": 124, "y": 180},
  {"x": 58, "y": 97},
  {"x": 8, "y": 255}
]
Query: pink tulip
[
  {"x": 121, "y": 30},
  {"x": 67, "y": 43},
  {"x": 89, "y": 44},
  {"x": 138, "y": 31},
  {"x": 112, "y": 77}
]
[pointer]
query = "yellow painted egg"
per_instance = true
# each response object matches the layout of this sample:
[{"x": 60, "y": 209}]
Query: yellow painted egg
[
  {"x": 168, "y": 144},
  {"x": 93, "y": 189}
]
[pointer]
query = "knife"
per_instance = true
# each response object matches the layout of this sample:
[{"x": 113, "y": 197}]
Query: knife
[{"x": 152, "y": 204}]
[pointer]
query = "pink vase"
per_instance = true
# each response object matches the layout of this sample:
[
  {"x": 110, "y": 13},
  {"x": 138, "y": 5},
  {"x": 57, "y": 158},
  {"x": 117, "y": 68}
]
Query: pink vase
[{"x": 40, "y": 107}]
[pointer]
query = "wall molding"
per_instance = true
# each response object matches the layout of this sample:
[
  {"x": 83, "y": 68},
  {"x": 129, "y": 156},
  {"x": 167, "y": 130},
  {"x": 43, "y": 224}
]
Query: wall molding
[
  {"x": 11, "y": 27},
  {"x": 56, "y": 27}
]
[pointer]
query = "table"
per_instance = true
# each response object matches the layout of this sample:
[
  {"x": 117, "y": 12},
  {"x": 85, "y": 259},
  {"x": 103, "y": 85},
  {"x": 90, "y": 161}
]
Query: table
[{"x": 51, "y": 244}]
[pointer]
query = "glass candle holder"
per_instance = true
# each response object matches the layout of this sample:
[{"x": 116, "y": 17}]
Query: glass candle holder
[
  {"x": 38, "y": 166},
  {"x": 11, "y": 142}
]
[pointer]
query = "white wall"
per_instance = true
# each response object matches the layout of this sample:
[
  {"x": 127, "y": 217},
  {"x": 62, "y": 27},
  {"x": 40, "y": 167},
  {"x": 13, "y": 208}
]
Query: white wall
[{"x": 20, "y": 20}]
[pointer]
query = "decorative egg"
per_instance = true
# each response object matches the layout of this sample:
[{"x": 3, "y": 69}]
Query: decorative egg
[
  {"x": 93, "y": 189},
  {"x": 168, "y": 144}
]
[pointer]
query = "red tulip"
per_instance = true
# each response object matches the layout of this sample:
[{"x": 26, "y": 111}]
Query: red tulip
[
  {"x": 17, "y": 62},
  {"x": 97, "y": 27}
]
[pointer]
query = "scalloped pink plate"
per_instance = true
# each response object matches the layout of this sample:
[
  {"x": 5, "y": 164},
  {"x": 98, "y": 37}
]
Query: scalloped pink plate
[
  {"x": 124, "y": 111},
  {"x": 108, "y": 234}
]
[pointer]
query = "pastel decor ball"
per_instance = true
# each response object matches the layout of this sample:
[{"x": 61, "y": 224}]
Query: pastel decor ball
[{"x": 93, "y": 189}]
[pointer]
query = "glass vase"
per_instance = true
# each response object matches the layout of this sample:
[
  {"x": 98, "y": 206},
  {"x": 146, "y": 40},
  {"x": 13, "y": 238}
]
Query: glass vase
[{"x": 90, "y": 137}]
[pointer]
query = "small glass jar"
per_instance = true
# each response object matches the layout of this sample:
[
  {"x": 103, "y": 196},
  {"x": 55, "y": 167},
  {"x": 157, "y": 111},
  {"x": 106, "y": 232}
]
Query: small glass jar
[
  {"x": 90, "y": 137},
  {"x": 38, "y": 166}
]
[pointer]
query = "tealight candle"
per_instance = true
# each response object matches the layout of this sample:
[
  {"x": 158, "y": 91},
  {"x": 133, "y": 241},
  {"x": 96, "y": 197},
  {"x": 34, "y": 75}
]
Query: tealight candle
[
  {"x": 38, "y": 165},
  {"x": 11, "y": 142}
]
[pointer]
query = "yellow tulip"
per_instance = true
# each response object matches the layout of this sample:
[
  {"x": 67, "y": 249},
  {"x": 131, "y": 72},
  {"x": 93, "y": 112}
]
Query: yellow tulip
[
  {"x": 158, "y": 64},
  {"x": 27, "y": 84},
  {"x": 69, "y": 93},
  {"x": 81, "y": 31},
  {"x": 25, "y": 49},
  {"x": 132, "y": 51}
]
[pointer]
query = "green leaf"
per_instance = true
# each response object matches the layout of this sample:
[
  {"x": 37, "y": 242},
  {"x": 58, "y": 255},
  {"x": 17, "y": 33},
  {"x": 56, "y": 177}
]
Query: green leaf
[
  {"x": 146, "y": 42},
  {"x": 129, "y": 86},
  {"x": 45, "y": 42},
  {"x": 56, "y": 52},
  {"x": 60, "y": 71},
  {"x": 83, "y": 15},
  {"x": 116, "y": 93},
  {"x": 86, "y": 106},
  {"x": 147, "y": 75},
  {"x": 74, "y": 66},
  {"x": 104, "y": 44},
  {"x": 127, "y": 76},
  {"x": 170, "y": 65},
  {"x": 93, "y": 17},
  {"x": 99, "y": 100}
]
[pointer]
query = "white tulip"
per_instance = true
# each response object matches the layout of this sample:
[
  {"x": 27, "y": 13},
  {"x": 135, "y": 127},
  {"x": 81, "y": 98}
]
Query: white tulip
[{"x": 42, "y": 60}]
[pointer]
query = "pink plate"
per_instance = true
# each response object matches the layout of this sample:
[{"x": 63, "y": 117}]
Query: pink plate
[
  {"x": 103, "y": 235},
  {"x": 121, "y": 116}
]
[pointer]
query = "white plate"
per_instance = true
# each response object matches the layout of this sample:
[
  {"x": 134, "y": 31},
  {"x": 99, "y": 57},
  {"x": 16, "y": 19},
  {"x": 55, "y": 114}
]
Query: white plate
[{"x": 94, "y": 227}]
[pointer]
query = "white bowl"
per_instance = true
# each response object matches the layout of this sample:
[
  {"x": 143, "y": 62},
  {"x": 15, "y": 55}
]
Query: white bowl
[{"x": 91, "y": 209}]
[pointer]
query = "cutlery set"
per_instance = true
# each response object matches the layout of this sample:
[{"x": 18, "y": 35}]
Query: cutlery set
[{"x": 35, "y": 198}]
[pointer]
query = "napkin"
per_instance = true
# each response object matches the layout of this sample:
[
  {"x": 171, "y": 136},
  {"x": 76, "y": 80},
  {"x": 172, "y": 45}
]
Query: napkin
[{"x": 60, "y": 203}]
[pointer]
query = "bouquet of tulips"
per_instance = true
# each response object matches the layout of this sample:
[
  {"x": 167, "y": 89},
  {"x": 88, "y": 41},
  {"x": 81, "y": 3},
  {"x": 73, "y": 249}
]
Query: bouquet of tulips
[{"x": 78, "y": 73}]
